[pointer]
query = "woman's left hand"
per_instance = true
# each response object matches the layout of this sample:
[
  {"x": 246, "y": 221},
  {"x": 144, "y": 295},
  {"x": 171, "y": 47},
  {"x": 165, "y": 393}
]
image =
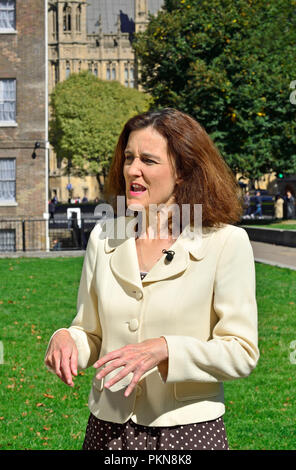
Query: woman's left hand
[{"x": 137, "y": 358}]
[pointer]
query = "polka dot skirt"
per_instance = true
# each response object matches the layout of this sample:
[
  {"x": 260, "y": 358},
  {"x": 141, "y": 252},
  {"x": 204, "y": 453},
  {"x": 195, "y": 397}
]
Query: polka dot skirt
[{"x": 103, "y": 435}]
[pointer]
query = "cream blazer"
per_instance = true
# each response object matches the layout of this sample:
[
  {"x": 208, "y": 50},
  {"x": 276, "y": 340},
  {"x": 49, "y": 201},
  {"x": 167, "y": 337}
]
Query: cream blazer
[{"x": 202, "y": 302}]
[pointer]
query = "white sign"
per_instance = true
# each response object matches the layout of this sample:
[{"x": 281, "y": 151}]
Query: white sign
[{"x": 70, "y": 211}]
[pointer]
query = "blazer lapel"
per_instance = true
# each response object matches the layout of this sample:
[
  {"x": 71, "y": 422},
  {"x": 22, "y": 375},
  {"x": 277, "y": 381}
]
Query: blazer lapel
[
  {"x": 124, "y": 260},
  {"x": 124, "y": 263},
  {"x": 190, "y": 242},
  {"x": 164, "y": 269}
]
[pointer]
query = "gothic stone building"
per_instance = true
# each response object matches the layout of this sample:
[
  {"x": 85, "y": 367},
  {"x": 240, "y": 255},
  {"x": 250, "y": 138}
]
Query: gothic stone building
[
  {"x": 92, "y": 35},
  {"x": 23, "y": 115}
]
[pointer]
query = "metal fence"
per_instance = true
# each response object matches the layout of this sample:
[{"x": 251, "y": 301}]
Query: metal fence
[
  {"x": 30, "y": 234},
  {"x": 64, "y": 233}
]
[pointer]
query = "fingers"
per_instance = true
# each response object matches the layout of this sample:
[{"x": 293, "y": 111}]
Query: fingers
[
  {"x": 63, "y": 359},
  {"x": 136, "y": 378},
  {"x": 139, "y": 367},
  {"x": 56, "y": 362},
  {"x": 66, "y": 371},
  {"x": 137, "y": 358},
  {"x": 109, "y": 357},
  {"x": 123, "y": 373},
  {"x": 114, "y": 365},
  {"x": 74, "y": 362}
]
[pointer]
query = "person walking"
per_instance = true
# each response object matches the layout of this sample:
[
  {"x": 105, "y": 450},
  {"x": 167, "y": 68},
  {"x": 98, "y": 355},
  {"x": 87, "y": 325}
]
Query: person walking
[
  {"x": 247, "y": 205},
  {"x": 279, "y": 207},
  {"x": 51, "y": 208},
  {"x": 258, "y": 203},
  {"x": 290, "y": 205},
  {"x": 164, "y": 320}
]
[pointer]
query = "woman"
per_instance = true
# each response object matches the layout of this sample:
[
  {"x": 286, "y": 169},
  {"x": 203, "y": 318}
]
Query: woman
[
  {"x": 163, "y": 341},
  {"x": 279, "y": 207}
]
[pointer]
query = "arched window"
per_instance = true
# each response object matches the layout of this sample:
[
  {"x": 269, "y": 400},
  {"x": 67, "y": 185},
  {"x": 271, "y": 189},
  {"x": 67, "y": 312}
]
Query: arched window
[
  {"x": 108, "y": 73},
  {"x": 126, "y": 75},
  {"x": 78, "y": 19},
  {"x": 68, "y": 69},
  {"x": 132, "y": 77},
  {"x": 55, "y": 72},
  {"x": 67, "y": 18},
  {"x": 54, "y": 22},
  {"x": 113, "y": 73}
]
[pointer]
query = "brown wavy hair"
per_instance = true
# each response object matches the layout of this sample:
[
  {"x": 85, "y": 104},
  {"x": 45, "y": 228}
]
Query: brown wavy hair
[{"x": 206, "y": 178}]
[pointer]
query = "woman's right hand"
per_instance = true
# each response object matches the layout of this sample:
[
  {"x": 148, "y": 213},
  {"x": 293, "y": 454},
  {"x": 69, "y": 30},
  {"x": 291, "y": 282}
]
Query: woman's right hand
[{"x": 62, "y": 356}]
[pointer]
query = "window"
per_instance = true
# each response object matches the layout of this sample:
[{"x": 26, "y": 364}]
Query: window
[
  {"x": 7, "y": 16},
  {"x": 108, "y": 75},
  {"x": 7, "y": 240},
  {"x": 113, "y": 73},
  {"x": 67, "y": 18},
  {"x": 54, "y": 23},
  {"x": 68, "y": 70},
  {"x": 56, "y": 73},
  {"x": 132, "y": 77},
  {"x": 7, "y": 101},
  {"x": 129, "y": 76},
  {"x": 78, "y": 19},
  {"x": 126, "y": 76},
  {"x": 7, "y": 180}
]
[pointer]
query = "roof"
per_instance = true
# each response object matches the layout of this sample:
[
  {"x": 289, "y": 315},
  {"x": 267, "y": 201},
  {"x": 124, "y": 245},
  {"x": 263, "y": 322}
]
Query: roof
[{"x": 109, "y": 11}]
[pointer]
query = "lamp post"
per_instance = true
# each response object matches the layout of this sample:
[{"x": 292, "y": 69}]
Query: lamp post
[
  {"x": 69, "y": 185},
  {"x": 46, "y": 124}
]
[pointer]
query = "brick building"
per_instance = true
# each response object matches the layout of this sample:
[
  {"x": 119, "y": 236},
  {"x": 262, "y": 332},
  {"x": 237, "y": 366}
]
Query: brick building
[
  {"x": 23, "y": 123},
  {"x": 94, "y": 35}
]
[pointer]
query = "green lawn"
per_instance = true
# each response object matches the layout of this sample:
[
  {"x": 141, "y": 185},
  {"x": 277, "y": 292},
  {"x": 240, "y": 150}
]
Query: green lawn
[{"x": 37, "y": 411}]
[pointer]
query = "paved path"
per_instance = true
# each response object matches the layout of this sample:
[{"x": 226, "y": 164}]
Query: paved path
[
  {"x": 277, "y": 255},
  {"x": 266, "y": 253}
]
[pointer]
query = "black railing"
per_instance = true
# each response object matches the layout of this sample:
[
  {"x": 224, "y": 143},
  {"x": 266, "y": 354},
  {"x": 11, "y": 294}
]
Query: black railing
[
  {"x": 70, "y": 234},
  {"x": 63, "y": 234},
  {"x": 30, "y": 234}
]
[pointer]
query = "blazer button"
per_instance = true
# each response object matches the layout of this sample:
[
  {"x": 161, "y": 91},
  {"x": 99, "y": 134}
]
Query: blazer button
[
  {"x": 133, "y": 324},
  {"x": 139, "y": 295}
]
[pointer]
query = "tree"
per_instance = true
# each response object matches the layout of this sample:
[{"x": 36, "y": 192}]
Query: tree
[
  {"x": 228, "y": 63},
  {"x": 87, "y": 117}
]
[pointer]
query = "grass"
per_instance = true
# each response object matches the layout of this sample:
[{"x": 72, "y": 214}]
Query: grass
[
  {"x": 38, "y": 411},
  {"x": 279, "y": 226},
  {"x": 260, "y": 409}
]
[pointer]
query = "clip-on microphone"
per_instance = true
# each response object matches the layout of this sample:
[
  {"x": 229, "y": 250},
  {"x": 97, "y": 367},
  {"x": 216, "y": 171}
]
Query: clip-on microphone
[{"x": 169, "y": 254}]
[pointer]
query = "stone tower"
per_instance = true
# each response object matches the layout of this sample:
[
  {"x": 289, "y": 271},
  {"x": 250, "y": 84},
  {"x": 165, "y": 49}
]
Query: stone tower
[
  {"x": 141, "y": 15},
  {"x": 67, "y": 38}
]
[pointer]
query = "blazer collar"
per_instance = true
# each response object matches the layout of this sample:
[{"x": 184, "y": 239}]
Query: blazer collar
[{"x": 124, "y": 260}]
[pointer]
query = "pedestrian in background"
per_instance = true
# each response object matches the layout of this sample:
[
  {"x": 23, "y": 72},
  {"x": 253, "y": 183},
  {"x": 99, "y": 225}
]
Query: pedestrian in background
[
  {"x": 279, "y": 207},
  {"x": 247, "y": 205},
  {"x": 258, "y": 203},
  {"x": 290, "y": 205},
  {"x": 55, "y": 199},
  {"x": 51, "y": 208}
]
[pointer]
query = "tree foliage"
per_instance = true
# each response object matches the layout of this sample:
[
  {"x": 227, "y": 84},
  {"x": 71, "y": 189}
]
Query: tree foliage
[
  {"x": 228, "y": 63},
  {"x": 87, "y": 117}
]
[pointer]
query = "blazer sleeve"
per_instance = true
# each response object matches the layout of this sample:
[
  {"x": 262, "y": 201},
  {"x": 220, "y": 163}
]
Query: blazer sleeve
[
  {"x": 232, "y": 351},
  {"x": 85, "y": 328}
]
